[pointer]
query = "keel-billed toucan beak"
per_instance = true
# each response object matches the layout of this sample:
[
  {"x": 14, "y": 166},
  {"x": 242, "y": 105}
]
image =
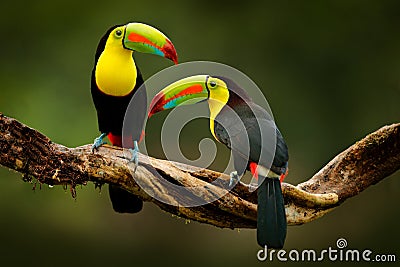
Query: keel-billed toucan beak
[
  {"x": 186, "y": 91},
  {"x": 146, "y": 39}
]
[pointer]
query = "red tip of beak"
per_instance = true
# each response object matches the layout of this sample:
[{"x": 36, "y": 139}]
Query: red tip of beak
[
  {"x": 157, "y": 104},
  {"x": 170, "y": 52}
]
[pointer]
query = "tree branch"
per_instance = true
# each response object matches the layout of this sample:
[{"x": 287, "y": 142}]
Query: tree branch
[{"x": 365, "y": 163}]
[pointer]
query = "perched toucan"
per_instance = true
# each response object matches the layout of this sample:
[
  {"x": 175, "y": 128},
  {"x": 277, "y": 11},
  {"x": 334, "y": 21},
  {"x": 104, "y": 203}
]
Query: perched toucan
[
  {"x": 115, "y": 80},
  {"x": 240, "y": 124}
]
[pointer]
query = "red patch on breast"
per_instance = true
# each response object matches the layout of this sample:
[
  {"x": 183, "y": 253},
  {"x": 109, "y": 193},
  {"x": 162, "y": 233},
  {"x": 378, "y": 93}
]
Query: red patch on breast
[
  {"x": 253, "y": 169},
  {"x": 116, "y": 140},
  {"x": 283, "y": 175}
]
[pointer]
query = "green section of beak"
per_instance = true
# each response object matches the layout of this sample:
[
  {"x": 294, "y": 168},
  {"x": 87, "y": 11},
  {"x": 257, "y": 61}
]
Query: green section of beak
[
  {"x": 146, "y": 39},
  {"x": 186, "y": 91}
]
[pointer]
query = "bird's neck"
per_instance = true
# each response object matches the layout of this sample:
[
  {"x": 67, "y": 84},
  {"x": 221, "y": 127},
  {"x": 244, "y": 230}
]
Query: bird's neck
[{"x": 116, "y": 71}]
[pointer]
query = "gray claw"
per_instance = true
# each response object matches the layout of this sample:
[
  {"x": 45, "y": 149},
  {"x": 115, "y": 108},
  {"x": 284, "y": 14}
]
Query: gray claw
[
  {"x": 135, "y": 154},
  {"x": 234, "y": 178},
  {"x": 98, "y": 142},
  {"x": 253, "y": 187}
]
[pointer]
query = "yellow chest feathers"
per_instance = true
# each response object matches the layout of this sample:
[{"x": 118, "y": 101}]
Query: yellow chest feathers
[{"x": 116, "y": 72}]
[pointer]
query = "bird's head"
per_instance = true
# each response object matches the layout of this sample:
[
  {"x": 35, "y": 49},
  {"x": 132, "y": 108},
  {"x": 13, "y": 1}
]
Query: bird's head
[
  {"x": 218, "y": 91},
  {"x": 138, "y": 37}
]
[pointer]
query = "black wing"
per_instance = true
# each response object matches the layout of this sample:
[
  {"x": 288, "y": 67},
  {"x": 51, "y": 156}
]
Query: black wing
[{"x": 252, "y": 135}]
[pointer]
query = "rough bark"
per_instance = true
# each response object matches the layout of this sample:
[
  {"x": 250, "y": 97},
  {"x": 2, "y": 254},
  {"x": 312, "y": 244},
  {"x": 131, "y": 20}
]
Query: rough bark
[{"x": 363, "y": 164}]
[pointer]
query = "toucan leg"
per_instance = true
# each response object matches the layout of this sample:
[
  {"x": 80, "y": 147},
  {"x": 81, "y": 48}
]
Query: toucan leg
[
  {"x": 98, "y": 142},
  {"x": 135, "y": 154}
]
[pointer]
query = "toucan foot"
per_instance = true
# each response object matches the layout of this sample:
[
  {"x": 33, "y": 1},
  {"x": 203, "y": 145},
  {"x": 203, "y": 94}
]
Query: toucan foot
[
  {"x": 253, "y": 187},
  {"x": 98, "y": 142},
  {"x": 234, "y": 178},
  {"x": 135, "y": 154}
]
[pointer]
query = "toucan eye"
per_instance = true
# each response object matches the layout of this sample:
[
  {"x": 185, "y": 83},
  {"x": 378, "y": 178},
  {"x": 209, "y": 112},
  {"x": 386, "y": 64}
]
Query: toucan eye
[
  {"x": 118, "y": 33},
  {"x": 213, "y": 84}
]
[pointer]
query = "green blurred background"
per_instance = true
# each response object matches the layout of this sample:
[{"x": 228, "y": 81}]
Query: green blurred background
[{"x": 331, "y": 73}]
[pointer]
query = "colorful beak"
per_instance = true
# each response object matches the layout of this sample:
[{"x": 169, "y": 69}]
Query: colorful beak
[
  {"x": 187, "y": 91},
  {"x": 146, "y": 39}
]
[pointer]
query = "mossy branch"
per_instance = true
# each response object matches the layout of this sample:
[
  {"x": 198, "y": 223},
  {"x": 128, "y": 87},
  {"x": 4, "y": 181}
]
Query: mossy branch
[{"x": 363, "y": 164}]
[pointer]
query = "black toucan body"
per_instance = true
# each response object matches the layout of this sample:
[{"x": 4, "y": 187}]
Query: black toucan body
[
  {"x": 251, "y": 134},
  {"x": 115, "y": 80}
]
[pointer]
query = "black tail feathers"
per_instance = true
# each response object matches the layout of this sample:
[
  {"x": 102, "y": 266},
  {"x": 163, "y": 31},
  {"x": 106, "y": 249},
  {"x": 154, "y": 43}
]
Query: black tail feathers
[
  {"x": 271, "y": 217},
  {"x": 123, "y": 201}
]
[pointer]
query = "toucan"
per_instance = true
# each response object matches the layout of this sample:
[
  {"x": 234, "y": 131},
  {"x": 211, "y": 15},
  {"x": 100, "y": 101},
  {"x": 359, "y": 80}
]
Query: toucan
[
  {"x": 115, "y": 80},
  {"x": 251, "y": 134}
]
